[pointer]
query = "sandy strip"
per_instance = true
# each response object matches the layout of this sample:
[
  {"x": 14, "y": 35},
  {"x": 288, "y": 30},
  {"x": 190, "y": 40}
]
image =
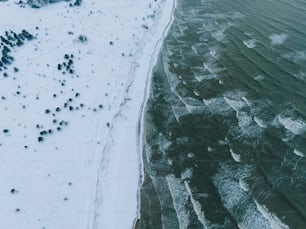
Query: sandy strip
[
  {"x": 117, "y": 195},
  {"x": 85, "y": 173}
]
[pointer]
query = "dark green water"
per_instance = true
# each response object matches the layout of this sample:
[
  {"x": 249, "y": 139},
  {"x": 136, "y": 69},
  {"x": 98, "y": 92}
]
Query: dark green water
[{"x": 225, "y": 123}]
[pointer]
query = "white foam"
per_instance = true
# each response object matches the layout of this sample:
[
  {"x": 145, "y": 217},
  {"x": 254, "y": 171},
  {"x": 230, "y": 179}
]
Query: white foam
[
  {"x": 196, "y": 93},
  {"x": 235, "y": 156},
  {"x": 235, "y": 104},
  {"x": 278, "y": 39},
  {"x": 196, "y": 206},
  {"x": 201, "y": 77},
  {"x": 259, "y": 78},
  {"x": 247, "y": 101},
  {"x": 208, "y": 102},
  {"x": 239, "y": 202},
  {"x": 296, "y": 56},
  {"x": 243, "y": 185},
  {"x": 190, "y": 155},
  {"x": 186, "y": 174},
  {"x": 300, "y": 75},
  {"x": 220, "y": 81},
  {"x": 250, "y": 43},
  {"x": 212, "y": 68},
  {"x": 213, "y": 52},
  {"x": 274, "y": 221},
  {"x": 180, "y": 199},
  {"x": 260, "y": 122},
  {"x": 298, "y": 153},
  {"x": 295, "y": 126}
]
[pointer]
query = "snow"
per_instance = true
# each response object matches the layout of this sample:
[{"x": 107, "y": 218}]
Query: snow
[{"x": 87, "y": 174}]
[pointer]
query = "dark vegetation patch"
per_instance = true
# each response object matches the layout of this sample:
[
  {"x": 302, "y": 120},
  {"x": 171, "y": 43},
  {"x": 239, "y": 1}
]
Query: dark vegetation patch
[
  {"x": 42, "y": 3},
  {"x": 11, "y": 40},
  {"x": 82, "y": 39},
  {"x": 67, "y": 66}
]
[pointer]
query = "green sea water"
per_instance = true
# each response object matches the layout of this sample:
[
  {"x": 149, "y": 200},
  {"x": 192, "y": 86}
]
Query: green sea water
[{"x": 225, "y": 122}]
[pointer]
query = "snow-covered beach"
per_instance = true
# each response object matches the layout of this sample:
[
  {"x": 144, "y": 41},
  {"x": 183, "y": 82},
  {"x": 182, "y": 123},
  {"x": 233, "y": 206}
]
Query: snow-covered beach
[{"x": 70, "y": 106}]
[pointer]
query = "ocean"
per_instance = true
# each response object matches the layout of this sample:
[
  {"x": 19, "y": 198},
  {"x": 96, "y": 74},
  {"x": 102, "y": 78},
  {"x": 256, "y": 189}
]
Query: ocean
[{"x": 225, "y": 121}]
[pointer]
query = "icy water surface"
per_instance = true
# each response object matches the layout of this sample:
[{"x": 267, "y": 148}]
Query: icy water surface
[{"x": 225, "y": 123}]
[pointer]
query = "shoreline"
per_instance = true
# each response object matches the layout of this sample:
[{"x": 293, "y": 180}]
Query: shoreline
[
  {"x": 125, "y": 120},
  {"x": 140, "y": 134}
]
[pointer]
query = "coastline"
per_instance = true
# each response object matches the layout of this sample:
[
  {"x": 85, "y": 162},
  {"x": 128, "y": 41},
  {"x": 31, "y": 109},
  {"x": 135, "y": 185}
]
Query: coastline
[
  {"x": 140, "y": 133},
  {"x": 126, "y": 132}
]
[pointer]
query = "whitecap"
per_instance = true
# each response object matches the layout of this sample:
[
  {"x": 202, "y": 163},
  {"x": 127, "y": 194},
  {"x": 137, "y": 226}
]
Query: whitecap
[
  {"x": 295, "y": 56},
  {"x": 274, "y": 221},
  {"x": 202, "y": 77},
  {"x": 259, "y": 77},
  {"x": 235, "y": 104},
  {"x": 213, "y": 52},
  {"x": 298, "y": 153},
  {"x": 247, "y": 101},
  {"x": 180, "y": 199},
  {"x": 250, "y": 43},
  {"x": 235, "y": 156},
  {"x": 260, "y": 122},
  {"x": 234, "y": 198},
  {"x": 278, "y": 39},
  {"x": 244, "y": 120},
  {"x": 300, "y": 75},
  {"x": 243, "y": 185},
  {"x": 295, "y": 126}
]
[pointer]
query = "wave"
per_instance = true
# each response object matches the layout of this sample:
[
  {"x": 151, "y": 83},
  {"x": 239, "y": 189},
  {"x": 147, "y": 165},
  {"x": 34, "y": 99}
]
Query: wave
[
  {"x": 296, "y": 126},
  {"x": 298, "y": 153},
  {"x": 236, "y": 199},
  {"x": 274, "y": 221},
  {"x": 250, "y": 43},
  {"x": 235, "y": 156},
  {"x": 278, "y": 39},
  {"x": 260, "y": 122},
  {"x": 295, "y": 56}
]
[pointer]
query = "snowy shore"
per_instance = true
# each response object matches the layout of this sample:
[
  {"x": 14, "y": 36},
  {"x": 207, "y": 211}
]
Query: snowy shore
[{"x": 70, "y": 103}]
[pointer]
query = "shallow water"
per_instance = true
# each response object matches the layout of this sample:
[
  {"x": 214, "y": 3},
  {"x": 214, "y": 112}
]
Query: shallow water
[{"x": 225, "y": 124}]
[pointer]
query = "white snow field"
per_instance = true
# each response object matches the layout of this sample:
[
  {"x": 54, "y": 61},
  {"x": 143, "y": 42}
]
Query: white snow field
[{"x": 70, "y": 103}]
